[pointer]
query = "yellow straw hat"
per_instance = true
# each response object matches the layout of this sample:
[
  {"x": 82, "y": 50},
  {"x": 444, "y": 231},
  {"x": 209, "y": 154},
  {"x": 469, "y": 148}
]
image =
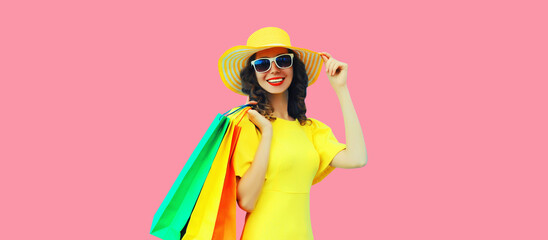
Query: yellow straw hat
[{"x": 235, "y": 58}]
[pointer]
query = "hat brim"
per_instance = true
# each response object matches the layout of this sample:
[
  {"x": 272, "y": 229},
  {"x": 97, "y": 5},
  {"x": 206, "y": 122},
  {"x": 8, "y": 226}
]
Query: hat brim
[{"x": 235, "y": 58}]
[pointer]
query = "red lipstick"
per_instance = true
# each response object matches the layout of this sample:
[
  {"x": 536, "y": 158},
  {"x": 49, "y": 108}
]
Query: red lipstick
[{"x": 275, "y": 81}]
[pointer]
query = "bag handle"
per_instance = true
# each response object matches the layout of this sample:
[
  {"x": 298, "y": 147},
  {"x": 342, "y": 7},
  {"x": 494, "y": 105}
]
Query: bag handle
[{"x": 237, "y": 109}]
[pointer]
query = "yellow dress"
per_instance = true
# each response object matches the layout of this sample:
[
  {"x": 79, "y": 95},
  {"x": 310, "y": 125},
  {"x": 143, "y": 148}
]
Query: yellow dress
[{"x": 299, "y": 157}]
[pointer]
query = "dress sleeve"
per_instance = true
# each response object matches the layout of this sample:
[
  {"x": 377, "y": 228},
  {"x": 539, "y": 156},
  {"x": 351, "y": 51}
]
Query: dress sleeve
[
  {"x": 327, "y": 146},
  {"x": 247, "y": 145}
]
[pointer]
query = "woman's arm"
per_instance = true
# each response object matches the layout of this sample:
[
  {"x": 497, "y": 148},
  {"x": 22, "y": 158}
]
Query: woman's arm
[
  {"x": 355, "y": 154},
  {"x": 249, "y": 187}
]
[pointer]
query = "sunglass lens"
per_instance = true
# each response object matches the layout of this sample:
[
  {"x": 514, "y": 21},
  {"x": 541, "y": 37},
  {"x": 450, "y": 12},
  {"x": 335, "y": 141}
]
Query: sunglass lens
[
  {"x": 284, "y": 61},
  {"x": 262, "y": 65}
]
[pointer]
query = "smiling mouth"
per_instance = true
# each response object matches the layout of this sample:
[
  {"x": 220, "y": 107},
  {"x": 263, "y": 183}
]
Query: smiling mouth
[{"x": 275, "y": 81}]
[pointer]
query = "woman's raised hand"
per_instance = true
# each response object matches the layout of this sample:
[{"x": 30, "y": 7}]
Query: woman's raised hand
[{"x": 336, "y": 70}]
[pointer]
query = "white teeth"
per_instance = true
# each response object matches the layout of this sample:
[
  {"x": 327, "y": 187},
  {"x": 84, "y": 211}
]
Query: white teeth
[{"x": 276, "y": 80}]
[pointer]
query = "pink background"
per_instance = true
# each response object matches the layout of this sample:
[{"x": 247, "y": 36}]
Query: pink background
[{"x": 102, "y": 102}]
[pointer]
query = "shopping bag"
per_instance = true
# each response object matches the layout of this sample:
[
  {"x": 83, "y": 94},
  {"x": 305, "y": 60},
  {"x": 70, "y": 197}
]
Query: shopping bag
[
  {"x": 175, "y": 210},
  {"x": 225, "y": 226},
  {"x": 205, "y": 215}
]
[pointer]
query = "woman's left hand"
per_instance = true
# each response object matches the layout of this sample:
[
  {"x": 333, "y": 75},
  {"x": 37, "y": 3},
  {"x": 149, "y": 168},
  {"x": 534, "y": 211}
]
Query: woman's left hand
[{"x": 336, "y": 70}]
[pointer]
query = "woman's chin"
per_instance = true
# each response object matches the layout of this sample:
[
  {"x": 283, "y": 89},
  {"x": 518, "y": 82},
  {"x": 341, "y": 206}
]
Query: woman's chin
[{"x": 275, "y": 91}]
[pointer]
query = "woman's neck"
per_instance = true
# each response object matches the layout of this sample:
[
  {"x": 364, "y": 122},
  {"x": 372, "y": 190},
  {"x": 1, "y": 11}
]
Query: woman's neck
[{"x": 279, "y": 103}]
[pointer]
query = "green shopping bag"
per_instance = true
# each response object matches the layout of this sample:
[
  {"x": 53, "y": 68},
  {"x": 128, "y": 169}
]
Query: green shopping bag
[{"x": 175, "y": 210}]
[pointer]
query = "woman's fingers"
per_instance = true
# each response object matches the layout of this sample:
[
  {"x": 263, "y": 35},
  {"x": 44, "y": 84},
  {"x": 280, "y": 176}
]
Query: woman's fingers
[
  {"x": 333, "y": 66},
  {"x": 259, "y": 120},
  {"x": 336, "y": 67},
  {"x": 329, "y": 66},
  {"x": 324, "y": 58},
  {"x": 325, "y": 54}
]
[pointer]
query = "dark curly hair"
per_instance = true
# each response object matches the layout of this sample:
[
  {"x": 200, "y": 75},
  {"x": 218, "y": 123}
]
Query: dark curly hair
[{"x": 296, "y": 91}]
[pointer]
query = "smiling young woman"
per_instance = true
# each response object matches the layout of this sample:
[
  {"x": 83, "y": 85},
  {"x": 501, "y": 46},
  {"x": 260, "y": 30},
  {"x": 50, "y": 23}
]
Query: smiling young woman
[{"x": 281, "y": 152}]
